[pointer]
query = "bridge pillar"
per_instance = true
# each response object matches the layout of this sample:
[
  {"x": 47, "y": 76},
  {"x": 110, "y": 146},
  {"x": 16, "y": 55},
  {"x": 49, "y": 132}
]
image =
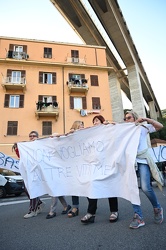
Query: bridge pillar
[
  {"x": 136, "y": 91},
  {"x": 116, "y": 98},
  {"x": 152, "y": 110}
]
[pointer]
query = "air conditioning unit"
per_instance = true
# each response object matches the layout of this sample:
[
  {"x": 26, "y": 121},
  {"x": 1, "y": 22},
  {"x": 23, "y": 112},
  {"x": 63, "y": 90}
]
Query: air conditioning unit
[{"x": 75, "y": 60}]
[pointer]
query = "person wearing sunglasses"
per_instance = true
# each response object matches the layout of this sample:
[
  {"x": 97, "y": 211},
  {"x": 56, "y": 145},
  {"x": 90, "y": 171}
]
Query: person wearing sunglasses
[
  {"x": 143, "y": 163},
  {"x": 92, "y": 203},
  {"x": 36, "y": 205}
]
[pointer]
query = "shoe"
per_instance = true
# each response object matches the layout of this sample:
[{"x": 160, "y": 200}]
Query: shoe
[
  {"x": 67, "y": 210},
  {"x": 88, "y": 218},
  {"x": 30, "y": 214},
  {"x": 40, "y": 207},
  {"x": 72, "y": 213},
  {"x": 158, "y": 215},
  {"x": 114, "y": 216},
  {"x": 50, "y": 216},
  {"x": 137, "y": 222}
]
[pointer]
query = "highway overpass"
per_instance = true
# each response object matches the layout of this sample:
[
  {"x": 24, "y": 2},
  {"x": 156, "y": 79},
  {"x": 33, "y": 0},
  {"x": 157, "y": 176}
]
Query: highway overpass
[{"x": 129, "y": 74}]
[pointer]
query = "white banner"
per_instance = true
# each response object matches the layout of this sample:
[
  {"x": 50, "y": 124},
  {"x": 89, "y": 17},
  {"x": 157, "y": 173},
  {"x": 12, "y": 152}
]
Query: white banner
[
  {"x": 9, "y": 163},
  {"x": 96, "y": 162},
  {"x": 158, "y": 154}
]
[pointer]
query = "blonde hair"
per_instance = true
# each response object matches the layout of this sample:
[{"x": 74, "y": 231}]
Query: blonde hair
[
  {"x": 134, "y": 114},
  {"x": 76, "y": 125}
]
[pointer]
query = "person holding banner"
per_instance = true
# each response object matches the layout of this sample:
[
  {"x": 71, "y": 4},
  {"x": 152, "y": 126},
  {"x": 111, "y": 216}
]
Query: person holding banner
[
  {"x": 36, "y": 205},
  {"x": 92, "y": 203},
  {"x": 144, "y": 169},
  {"x": 75, "y": 199}
]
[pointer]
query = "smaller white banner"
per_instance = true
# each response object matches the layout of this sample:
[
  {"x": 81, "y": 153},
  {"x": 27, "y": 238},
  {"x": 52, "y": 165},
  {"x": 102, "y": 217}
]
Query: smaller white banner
[{"x": 9, "y": 163}]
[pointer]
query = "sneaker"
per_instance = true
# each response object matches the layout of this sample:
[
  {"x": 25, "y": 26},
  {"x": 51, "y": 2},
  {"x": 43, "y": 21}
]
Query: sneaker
[
  {"x": 137, "y": 222},
  {"x": 30, "y": 214},
  {"x": 40, "y": 207},
  {"x": 158, "y": 215}
]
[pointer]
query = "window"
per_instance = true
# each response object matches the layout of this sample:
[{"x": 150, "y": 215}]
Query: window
[
  {"x": 48, "y": 78},
  {"x": 17, "y": 77},
  {"x": 78, "y": 102},
  {"x": 17, "y": 51},
  {"x": 47, "y": 128},
  {"x": 18, "y": 48},
  {"x": 47, "y": 52},
  {"x": 12, "y": 127},
  {"x": 94, "y": 80},
  {"x": 76, "y": 78},
  {"x": 14, "y": 101},
  {"x": 96, "y": 103},
  {"x": 75, "y": 56}
]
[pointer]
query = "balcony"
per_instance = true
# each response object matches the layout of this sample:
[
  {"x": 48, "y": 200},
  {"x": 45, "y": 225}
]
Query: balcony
[
  {"x": 49, "y": 109},
  {"x": 78, "y": 86},
  {"x": 76, "y": 60},
  {"x": 17, "y": 55},
  {"x": 14, "y": 83}
]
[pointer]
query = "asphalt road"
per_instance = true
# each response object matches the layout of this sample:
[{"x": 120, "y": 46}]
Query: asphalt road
[{"x": 63, "y": 233}]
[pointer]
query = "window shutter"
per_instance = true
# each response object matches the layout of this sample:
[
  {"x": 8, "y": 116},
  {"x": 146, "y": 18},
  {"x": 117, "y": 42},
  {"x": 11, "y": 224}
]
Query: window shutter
[
  {"x": 54, "y": 98},
  {"x": 71, "y": 102},
  {"x": 6, "y": 103},
  {"x": 47, "y": 128},
  {"x": 9, "y": 72},
  {"x": 40, "y": 98},
  {"x": 40, "y": 77},
  {"x": 54, "y": 78},
  {"x": 21, "y": 104},
  {"x": 94, "y": 80},
  {"x": 96, "y": 103},
  {"x": 84, "y": 104},
  {"x": 25, "y": 48},
  {"x": 70, "y": 77},
  {"x": 12, "y": 127},
  {"x": 11, "y": 46},
  {"x": 22, "y": 73},
  {"x": 82, "y": 76}
]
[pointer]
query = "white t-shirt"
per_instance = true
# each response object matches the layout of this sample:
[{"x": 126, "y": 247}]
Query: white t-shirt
[{"x": 143, "y": 144}]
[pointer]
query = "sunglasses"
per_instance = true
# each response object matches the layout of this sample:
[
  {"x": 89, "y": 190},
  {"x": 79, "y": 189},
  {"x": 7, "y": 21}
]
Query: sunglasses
[
  {"x": 32, "y": 136},
  {"x": 127, "y": 118}
]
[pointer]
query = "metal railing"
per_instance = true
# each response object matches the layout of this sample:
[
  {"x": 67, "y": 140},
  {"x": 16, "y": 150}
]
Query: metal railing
[{"x": 14, "y": 80}]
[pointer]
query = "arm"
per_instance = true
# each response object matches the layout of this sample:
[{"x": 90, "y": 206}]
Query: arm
[{"x": 157, "y": 125}]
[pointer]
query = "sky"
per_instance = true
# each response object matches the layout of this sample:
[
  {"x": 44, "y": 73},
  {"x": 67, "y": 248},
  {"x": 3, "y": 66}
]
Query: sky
[{"x": 146, "y": 21}]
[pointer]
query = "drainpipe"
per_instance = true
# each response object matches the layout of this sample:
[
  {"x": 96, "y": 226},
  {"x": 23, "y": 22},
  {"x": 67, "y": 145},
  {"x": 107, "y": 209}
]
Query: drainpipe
[{"x": 64, "y": 124}]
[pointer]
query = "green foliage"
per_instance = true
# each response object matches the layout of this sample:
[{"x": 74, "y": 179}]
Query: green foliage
[{"x": 161, "y": 134}]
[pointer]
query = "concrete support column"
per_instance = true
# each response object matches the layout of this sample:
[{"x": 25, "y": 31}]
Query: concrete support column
[
  {"x": 116, "y": 98},
  {"x": 136, "y": 91},
  {"x": 152, "y": 110}
]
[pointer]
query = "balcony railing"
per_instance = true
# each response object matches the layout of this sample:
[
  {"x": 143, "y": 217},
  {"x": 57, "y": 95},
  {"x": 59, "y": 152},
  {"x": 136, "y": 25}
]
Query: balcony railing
[
  {"x": 47, "y": 110},
  {"x": 17, "y": 55},
  {"x": 76, "y": 60},
  {"x": 79, "y": 86},
  {"x": 14, "y": 83}
]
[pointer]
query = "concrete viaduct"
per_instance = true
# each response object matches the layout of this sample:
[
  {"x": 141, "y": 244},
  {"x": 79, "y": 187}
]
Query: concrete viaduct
[{"x": 129, "y": 77}]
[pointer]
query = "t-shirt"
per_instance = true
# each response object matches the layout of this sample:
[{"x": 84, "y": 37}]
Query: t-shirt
[{"x": 143, "y": 144}]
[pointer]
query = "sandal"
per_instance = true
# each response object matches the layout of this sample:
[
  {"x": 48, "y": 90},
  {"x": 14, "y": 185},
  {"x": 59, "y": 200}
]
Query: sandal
[
  {"x": 72, "y": 213},
  {"x": 113, "y": 216},
  {"x": 88, "y": 218},
  {"x": 66, "y": 210}
]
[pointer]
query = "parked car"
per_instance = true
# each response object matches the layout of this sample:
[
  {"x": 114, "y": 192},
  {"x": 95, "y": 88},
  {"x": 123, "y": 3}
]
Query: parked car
[{"x": 10, "y": 183}]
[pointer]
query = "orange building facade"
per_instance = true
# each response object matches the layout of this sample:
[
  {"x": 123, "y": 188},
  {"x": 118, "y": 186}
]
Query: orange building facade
[{"x": 46, "y": 86}]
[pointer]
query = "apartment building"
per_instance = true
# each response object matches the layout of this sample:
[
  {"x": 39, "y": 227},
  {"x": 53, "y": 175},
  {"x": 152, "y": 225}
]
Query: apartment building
[{"x": 46, "y": 86}]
